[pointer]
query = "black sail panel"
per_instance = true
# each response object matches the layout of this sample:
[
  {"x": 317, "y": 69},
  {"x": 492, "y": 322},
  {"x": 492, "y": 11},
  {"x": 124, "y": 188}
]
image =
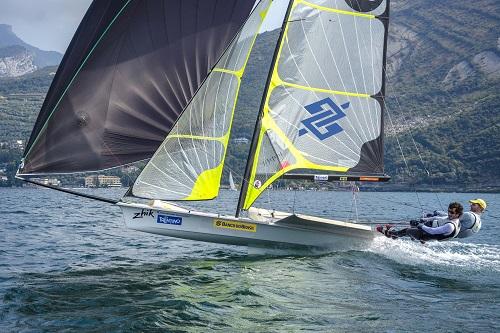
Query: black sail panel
[{"x": 131, "y": 68}]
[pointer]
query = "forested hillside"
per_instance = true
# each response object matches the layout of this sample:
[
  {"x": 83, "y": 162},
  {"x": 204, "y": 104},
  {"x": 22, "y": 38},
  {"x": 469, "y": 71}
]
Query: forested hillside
[
  {"x": 444, "y": 89},
  {"x": 443, "y": 96}
]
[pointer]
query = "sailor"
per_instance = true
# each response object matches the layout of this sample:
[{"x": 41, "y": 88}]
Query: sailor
[
  {"x": 470, "y": 222},
  {"x": 442, "y": 229}
]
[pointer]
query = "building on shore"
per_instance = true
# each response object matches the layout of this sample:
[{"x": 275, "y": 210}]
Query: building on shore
[
  {"x": 48, "y": 181},
  {"x": 241, "y": 140},
  {"x": 102, "y": 181}
]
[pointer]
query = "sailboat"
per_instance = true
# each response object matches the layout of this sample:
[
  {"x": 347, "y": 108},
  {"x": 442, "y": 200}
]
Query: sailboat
[
  {"x": 232, "y": 187},
  {"x": 320, "y": 118}
]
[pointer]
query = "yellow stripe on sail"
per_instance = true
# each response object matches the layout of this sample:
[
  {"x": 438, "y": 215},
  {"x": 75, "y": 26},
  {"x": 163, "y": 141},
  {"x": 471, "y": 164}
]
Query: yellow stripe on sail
[
  {"x": 267, "y": 123},
  {"x": 333, "y": 10},
  {"x": 278, "y": 82},
  {"x": 238, "y": 73},
  {"x": 300, "y": 161},
  {"x": 208, "y": 182}
]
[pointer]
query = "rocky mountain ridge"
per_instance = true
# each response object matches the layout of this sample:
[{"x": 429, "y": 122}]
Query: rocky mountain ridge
[
  {"x": 19, "y": 58},
  {"x": 16, "y": 61}
]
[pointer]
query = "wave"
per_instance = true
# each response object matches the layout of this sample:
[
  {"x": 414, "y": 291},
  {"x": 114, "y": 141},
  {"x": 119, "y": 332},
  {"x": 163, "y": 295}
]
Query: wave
[{"x": 450, "y": 253}]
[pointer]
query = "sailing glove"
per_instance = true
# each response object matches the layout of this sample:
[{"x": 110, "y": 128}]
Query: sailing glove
[{"x": 414, "y": 223}]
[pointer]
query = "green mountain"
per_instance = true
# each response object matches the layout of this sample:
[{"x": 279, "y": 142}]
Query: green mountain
[
  {"x": 443, "y": 92},
  {"x": 443, "y": 89}
]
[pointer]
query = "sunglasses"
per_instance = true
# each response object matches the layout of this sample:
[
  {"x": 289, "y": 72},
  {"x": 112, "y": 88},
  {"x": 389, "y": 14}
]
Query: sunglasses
[{"x": 452, "y": 212}]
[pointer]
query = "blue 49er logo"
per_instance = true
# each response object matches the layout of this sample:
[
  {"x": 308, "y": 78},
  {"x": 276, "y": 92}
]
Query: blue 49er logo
[{"x": 322, "y": 123}]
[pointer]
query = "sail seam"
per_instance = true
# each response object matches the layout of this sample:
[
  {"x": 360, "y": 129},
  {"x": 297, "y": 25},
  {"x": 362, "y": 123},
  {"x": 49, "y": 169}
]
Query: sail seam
[
  {"x": 328, "y": 91},
  {"x": 74, "y": 76},
  {"x": 332, "y": 10}
]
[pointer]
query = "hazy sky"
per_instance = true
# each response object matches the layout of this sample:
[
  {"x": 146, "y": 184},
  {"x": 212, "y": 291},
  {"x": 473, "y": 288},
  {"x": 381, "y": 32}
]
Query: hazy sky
[
  {"x": 50, "y": 24},
  {"x": 46, "y": 24}
]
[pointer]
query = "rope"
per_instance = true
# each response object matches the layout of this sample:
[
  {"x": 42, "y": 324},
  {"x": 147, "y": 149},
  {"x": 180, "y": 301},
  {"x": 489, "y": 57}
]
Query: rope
[{"x": 402, "y": 153}]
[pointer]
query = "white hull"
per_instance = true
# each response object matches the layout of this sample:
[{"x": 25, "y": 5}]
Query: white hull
[{"x": 286, "y": 231}]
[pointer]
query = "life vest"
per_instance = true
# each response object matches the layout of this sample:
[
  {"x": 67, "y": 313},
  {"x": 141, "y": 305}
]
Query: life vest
[
  {"x": 477, "y": 223},
  {"x": 456, "y": 225},
  {"x": 471, "y": 227}
]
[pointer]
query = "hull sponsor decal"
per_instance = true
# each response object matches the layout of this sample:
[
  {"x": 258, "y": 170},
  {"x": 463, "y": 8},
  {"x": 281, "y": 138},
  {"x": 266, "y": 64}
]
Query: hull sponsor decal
[
  {"x": 169, "y": 219},
  {"x": 143, "y": 213},
  {"x": 235, "y": 225}
]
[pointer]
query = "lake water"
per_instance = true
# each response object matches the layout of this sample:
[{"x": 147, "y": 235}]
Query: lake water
[{"x": 69, "y": 264}]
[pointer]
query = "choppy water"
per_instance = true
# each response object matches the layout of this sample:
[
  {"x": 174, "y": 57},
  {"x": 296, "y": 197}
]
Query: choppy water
[{"x": 69, "y": 264}]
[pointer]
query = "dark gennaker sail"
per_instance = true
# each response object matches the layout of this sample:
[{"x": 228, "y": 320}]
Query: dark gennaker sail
[{"x": 131, "y": 68}]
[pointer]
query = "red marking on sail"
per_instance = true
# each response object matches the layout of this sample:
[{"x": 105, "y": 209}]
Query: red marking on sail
[{"x": 284, "y": 164}]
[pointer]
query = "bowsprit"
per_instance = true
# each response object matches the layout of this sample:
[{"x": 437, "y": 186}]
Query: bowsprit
[{"x": 323, "y": 122}]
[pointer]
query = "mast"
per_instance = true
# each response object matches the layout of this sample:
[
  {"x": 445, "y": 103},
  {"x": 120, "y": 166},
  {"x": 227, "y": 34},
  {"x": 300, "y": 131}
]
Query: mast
[
  {"x": 255, "y": 137},
  {"x": 384, "y": 18}
]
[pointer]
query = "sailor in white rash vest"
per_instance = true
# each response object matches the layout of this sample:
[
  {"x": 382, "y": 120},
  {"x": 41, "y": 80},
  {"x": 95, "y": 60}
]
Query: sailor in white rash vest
[
  {"x": 445, "y": 228},
  {"x": 470, "y": 222}
]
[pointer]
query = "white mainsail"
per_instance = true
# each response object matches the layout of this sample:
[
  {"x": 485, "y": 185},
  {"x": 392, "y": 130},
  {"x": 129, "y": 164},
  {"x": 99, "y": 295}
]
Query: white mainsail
[
  {"x": 231, "y": 182},
  {"x": 323, "y": 106}
]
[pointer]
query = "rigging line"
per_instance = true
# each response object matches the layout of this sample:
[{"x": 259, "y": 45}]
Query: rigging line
[
  {"x": 418, "y": 150},
  {"x": 354, "y": 203},
  {"x": 401, "y": 149},
  {"x": 267, "y": 177},
  {"x": 396, "y": 136},
  {"x": 411, "y": 133},
  {"x": 458, "y": 105}
]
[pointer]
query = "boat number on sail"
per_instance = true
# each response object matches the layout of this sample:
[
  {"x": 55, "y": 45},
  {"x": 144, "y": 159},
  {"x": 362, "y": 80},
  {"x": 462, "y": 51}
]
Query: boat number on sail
[
  {"x": 169, "y": 219},
  {"x": 322, "y": 123},
  {"x": 143, "y": 213},
  {"x": 235, "y": 225}
]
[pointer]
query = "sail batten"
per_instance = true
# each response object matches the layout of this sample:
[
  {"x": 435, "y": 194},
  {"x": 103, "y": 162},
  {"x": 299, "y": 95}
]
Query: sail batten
[{"x": 322, "y": 109}]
